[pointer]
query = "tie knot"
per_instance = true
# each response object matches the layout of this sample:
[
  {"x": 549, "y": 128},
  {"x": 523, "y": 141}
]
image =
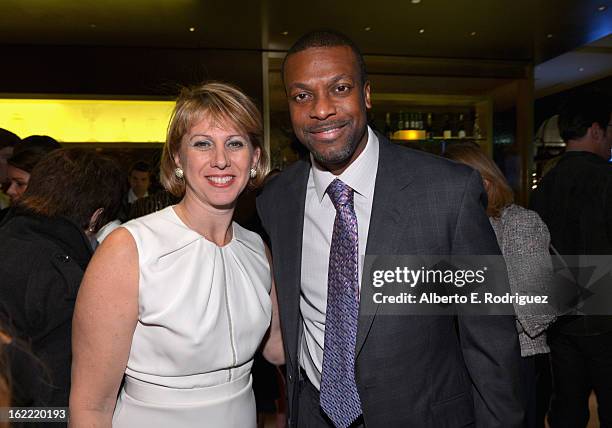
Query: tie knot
[{"x": 340, "y": 193}]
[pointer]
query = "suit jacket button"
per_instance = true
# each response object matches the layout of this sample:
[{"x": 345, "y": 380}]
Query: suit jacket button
[{"x": 290, "y": 378}]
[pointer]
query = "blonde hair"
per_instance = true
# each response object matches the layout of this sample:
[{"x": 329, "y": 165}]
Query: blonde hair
[
  {"x": 222, "y": 102},
  {"x": 499, "y": 192}
]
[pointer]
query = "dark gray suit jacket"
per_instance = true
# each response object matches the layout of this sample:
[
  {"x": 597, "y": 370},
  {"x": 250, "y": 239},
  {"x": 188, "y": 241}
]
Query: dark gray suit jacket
[{"x": 411, "y": 371}]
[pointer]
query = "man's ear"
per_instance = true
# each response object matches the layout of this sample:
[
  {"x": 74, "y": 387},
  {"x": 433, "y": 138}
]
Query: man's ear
[
  {"x": 595, "y": 131},
  {"x": 366, "y": 94},
  {"x": 94, "y": 220}
]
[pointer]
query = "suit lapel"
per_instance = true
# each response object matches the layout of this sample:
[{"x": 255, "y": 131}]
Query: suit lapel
[
  {"x": 387, "y": 215},
  {"x": 292, "y": 222}
]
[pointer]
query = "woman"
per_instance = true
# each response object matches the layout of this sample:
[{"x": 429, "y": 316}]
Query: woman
[
  {"x": 179, "y": 300},
  {"x": 524, "y": 242},
  {"x": 25, "y": 156},
  {"x": 8, "y": 140},
  {"x": 44, "y": 249}
]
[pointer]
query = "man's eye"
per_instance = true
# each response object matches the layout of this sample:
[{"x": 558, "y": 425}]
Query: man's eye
[
  {"x": 342, "y": 88},
  {"x": 301, "y": 97}
]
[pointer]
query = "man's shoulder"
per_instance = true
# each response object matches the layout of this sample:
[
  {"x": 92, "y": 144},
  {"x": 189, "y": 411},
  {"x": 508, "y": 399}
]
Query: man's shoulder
[
  {"x": 294, "y": 174},
  {"x": 425, "y": 167}
]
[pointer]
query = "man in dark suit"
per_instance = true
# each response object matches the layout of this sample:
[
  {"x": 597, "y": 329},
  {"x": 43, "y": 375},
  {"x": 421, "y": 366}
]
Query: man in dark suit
[{"x": 360, "y": 194}]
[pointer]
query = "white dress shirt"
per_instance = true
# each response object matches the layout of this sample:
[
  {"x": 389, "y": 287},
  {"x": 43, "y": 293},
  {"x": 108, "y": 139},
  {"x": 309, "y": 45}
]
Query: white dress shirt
[{"x": 319, "y": 215}]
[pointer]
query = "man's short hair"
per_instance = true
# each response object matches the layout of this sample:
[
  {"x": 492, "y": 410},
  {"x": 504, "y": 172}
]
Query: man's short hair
[
  {"x": 8, "y": 139},
  {"x": 326, "y": 39},
  {"x": 141, "y": 166},
  {"x": 32, "y": 150},
  {"x": 580, "y": 112}
]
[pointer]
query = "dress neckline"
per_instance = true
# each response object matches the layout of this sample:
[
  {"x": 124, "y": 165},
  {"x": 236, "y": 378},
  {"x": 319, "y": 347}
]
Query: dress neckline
[{"x": 202, "y": 237}]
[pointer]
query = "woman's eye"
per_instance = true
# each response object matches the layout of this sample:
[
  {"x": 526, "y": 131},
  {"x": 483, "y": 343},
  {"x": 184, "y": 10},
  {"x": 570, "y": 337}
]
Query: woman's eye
[
  {"x": 202, "y": 144},
  {"x": 235, "y": 144}
]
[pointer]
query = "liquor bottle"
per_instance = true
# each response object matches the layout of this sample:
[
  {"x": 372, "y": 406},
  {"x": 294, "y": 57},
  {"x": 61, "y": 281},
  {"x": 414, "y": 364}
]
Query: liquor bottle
[
  {"x": 461, "y": 127},
  {"x": 477, "y": 133},
  {"x": 388, "y": 128},
  {"x": 446, "y": 129},
  {"x": 429, "y": 127},
  {"x": 419, "y": 121}
]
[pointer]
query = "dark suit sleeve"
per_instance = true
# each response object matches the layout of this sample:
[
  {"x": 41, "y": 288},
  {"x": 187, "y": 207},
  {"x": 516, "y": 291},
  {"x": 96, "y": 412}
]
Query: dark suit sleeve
[
  {"x": 489, "y": 343},
  {"x": 261, "y": 205}
]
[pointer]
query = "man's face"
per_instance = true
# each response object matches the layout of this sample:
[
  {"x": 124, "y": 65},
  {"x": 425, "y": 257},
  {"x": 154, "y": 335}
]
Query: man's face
[
  {"x": 139, "y": 182},
  {"x": 328, "y": 104}
]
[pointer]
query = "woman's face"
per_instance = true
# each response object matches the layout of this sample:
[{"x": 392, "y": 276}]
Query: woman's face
[
  {"x": 216, "y": 160},
  {"x": 18, "y": 182}
]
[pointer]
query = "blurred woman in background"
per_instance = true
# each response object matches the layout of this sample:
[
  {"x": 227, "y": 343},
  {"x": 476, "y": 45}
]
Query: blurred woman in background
[
  {"x": 26, "y": 155},
  {"x": 45, "y": 246},
  {"x": 524, "y": 242}
]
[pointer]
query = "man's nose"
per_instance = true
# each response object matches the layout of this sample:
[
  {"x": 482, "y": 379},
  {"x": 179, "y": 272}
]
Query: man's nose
[{"x": 323, "y": 107}]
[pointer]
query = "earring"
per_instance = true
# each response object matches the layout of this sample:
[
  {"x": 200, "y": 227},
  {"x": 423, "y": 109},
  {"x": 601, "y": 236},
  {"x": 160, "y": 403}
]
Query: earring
[
  {"x": 253, "y": 173},
  {"x": 178, "y": 172}
]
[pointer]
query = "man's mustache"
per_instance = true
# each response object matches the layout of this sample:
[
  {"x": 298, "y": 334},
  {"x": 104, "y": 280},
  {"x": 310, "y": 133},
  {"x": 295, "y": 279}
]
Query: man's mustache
[{"x": 326, "y": 126}]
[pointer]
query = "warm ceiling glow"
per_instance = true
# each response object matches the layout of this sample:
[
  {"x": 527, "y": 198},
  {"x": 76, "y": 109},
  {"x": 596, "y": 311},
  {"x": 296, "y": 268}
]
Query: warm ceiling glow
[
  {"x": 367, "y": 28},
  {"x": 192, "y": 29},
  {"x": 284, "y": 33},
  {"x": 421, "y": 31},
  {"x": 82, "y": 121},
  {"x": 549, "y": 36}
]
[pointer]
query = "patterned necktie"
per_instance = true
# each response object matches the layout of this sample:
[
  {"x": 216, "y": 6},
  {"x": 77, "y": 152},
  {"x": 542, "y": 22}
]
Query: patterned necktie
[{"x": 339, "y": 396}]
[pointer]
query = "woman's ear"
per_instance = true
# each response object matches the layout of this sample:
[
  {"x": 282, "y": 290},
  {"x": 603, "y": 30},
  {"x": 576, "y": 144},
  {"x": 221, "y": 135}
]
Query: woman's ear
[
  {"x": 256, "y": 156},
  {"x": 487, "y": 184}
]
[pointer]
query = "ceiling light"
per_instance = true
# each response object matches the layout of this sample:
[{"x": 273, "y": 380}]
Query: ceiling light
[
  {"x": 473, "y": 33},
  {"x": 285, "y": 33},
  {"x": 549, "y": 36},
  {"x": 367, "y": 28},
  {"x": 602, "y": 8},
  {"x": 581, "y": 69},
  {"x": 421, "y": 31},
  {"x": 191, "y": 29},
  {"x": 415, "y": 1}
]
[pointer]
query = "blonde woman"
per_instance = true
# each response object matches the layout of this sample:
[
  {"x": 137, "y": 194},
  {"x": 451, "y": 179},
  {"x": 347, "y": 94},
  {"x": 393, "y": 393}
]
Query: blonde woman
[{"x": 181, "y": 299}]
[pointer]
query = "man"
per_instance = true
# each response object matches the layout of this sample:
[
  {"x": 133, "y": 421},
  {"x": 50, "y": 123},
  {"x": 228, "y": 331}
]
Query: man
[
  {"x": 359, "y": 194},
  {"x": 140, "y": 180},
  {"x": 575, "y": 201}
]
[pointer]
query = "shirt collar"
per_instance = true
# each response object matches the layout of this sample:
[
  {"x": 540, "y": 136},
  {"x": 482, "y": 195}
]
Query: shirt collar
[{"x": 359, "y": 175}]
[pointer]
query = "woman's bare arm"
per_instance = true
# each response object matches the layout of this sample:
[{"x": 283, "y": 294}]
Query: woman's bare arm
[{"x": 104, "y": 320}]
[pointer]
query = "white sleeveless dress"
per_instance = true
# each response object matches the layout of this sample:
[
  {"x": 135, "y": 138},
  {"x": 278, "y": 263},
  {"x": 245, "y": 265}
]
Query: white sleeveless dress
[{"x": 203, "y": 311}]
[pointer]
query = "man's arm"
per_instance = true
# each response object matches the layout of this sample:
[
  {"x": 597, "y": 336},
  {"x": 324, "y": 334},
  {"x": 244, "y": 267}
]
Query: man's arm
[{"x": 489, "y": 343}]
